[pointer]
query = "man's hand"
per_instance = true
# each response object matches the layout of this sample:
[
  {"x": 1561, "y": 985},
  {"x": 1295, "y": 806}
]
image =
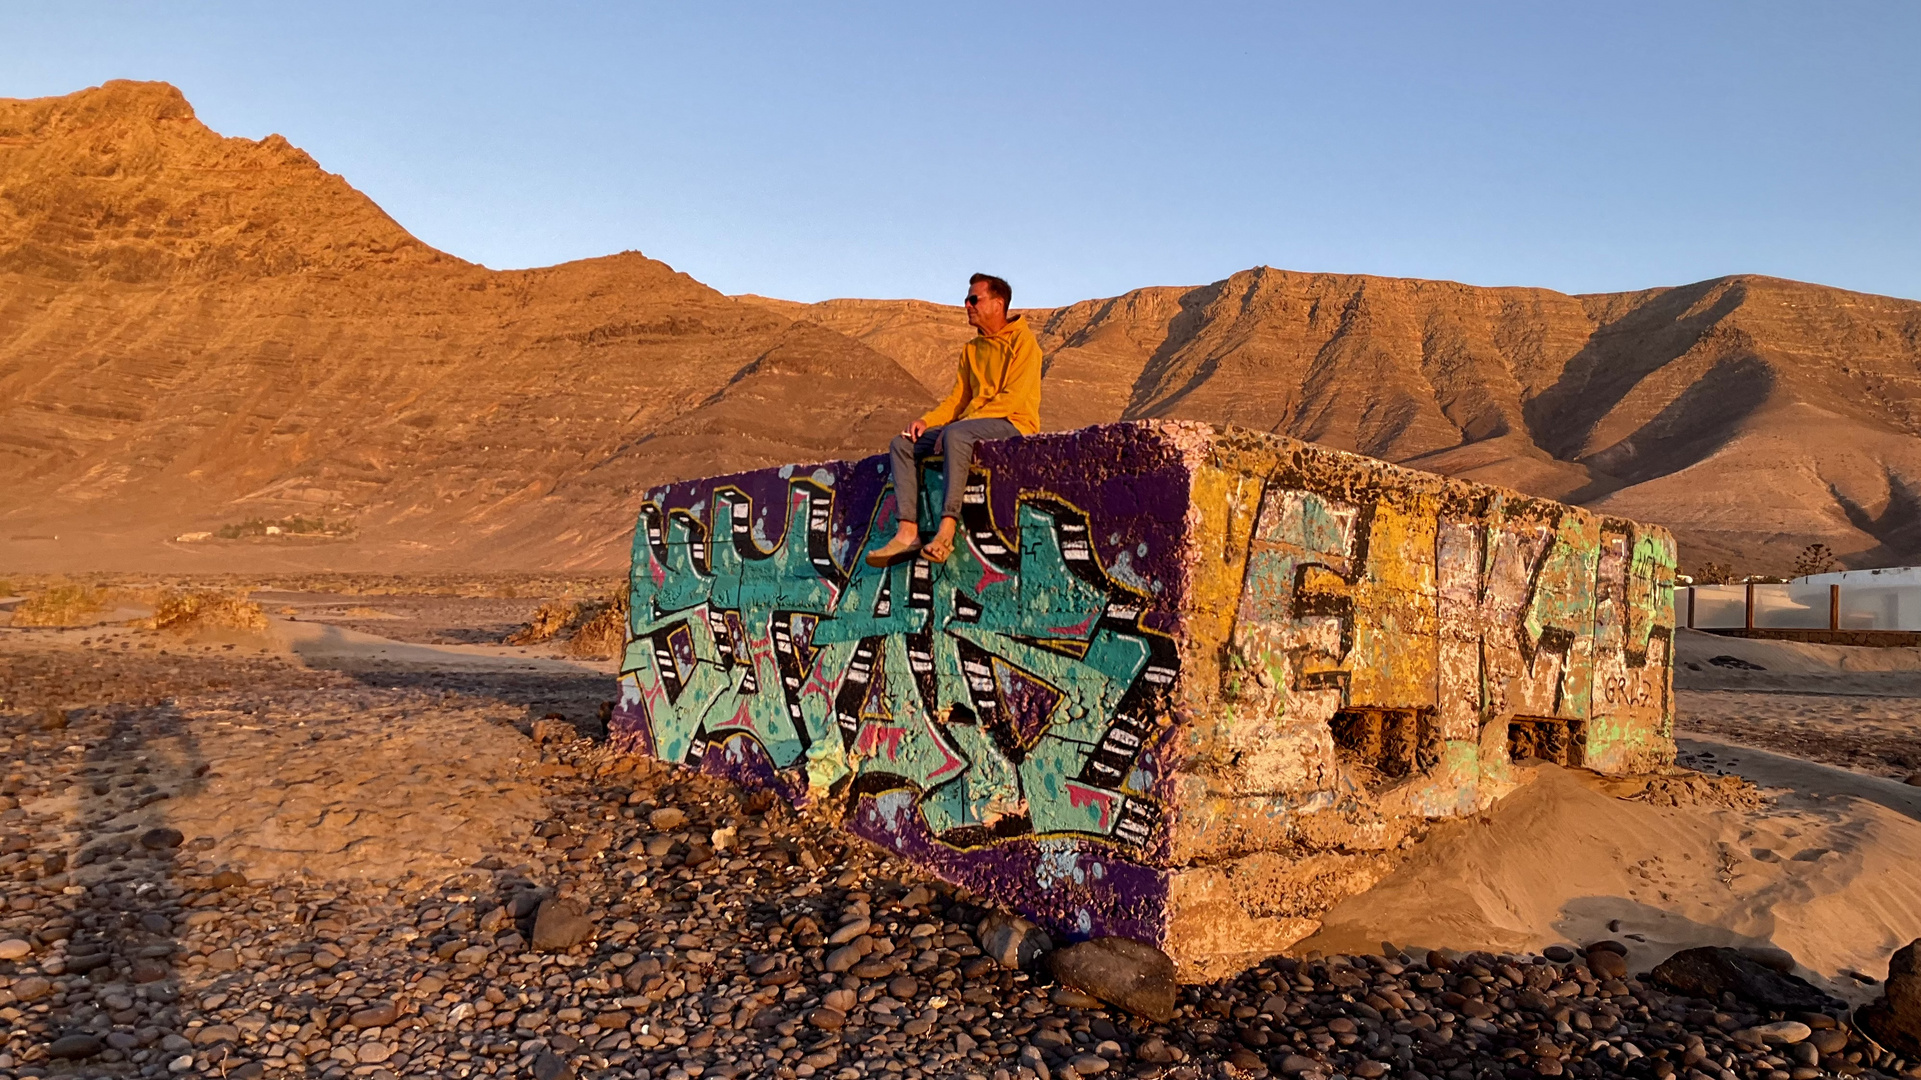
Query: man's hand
[{"x": 915, "y": 429}]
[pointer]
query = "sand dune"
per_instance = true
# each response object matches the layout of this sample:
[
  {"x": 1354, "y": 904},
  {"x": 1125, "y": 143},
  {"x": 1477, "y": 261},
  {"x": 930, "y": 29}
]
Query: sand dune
[{"x": 1833, "y": 879}]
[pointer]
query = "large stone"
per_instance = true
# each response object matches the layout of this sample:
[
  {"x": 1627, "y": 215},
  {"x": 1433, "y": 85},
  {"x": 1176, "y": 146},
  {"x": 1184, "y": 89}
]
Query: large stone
[
  {"x": 560, "y": 924},
  {"x": 1117, "y": 707},
  {"x": 843, "y": 958},
  {"x": 1606, "y": 964},
  {"x": 850, "y": 930},
  {"x": 1894, "y": 1019},
  {"x": 161, "y": 839},
  {"x": 75, "y": 1046},
  {"x": 1769, "y": 956},
  {"x": 146, "y": 970},
  {"x": 1710, "y": 971},
  {"x": 377, "y": 1014},
  {"x": 554, "y": 728},
  {"x": 1135, "y": 976},
  {"x": 1787, "y": 1032},
  {"x": 551, "y": 1066},
  {"x": 1088, "y": 1064},
  {"x": 1013, "y": 942}
]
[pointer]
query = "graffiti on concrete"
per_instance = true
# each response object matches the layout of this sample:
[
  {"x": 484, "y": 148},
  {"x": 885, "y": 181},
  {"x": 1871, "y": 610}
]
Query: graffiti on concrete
[
  {"x": 1013, "y": 690},
  {"x": 1172, "y": 681},
  {"x": 1481, "y": 616},
  {"x": 1524, "y": 609}
]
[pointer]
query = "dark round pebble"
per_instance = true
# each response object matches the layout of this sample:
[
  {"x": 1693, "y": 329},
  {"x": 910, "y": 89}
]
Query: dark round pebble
[
  {"x": 73, "y": 1047},
  {"x": 161, "y": 839}
]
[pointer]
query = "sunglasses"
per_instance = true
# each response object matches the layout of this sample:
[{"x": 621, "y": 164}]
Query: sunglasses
[{"x": 972, "y": 299}]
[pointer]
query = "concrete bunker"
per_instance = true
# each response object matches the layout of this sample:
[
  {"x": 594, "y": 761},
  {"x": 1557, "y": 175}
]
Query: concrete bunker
[{"x": 1183, "y": 685}]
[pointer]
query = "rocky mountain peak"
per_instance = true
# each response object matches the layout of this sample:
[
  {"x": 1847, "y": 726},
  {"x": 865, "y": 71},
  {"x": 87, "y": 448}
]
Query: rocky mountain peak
[{"x": 123, "y": 182}]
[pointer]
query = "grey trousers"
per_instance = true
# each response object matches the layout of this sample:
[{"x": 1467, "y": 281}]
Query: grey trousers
[{"x": 955, "y": 443}]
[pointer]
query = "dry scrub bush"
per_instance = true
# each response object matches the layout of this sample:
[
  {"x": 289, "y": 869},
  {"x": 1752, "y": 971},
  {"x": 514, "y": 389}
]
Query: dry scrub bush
[
  {"x": 603, "y": 634},
  {"x": 593, "y": 629},
  {"x": 60, "y": 605},
  {"x": 551, "y": 619},
  {"x": 185, "y": 612}
]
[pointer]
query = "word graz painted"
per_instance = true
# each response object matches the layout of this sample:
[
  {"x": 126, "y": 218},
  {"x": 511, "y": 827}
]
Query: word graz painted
[{"x": 1180, "y": 685}]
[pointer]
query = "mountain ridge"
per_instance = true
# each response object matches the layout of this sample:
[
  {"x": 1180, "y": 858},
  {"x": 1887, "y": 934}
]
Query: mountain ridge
[
  {"x": 196, "y": 329},
  {"x": 1598, "y": 398}
]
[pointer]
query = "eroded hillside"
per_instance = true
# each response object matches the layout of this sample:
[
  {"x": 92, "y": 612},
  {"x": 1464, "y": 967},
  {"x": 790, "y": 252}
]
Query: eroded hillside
[
  {"x": 197, "y": 331},
  {"x": 1752, "y": 415}
]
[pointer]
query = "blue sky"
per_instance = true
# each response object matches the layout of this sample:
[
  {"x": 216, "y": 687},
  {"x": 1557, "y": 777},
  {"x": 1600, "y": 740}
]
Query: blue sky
[{"x": 818, "y": 150}]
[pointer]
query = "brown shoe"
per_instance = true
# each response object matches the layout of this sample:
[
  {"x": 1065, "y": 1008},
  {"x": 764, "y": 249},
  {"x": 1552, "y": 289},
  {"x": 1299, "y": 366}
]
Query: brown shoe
[{"x": 893, "y": 551}]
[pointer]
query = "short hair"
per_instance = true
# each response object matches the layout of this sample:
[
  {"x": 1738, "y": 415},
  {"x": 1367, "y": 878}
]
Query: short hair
[{"x": 997, "y": 286}]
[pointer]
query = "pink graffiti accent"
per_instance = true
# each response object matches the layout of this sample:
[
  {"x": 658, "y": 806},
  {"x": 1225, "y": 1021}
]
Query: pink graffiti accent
[
  {"x": 989, "y": 575},
  {"x": 657, "y": 572},
  {"x": 873, "y": 736},
  {"x": 819, "y": 683},
  {"x": 952, "y": 764},
  {"x": 760, "y": 653},
  {"x": 1079, "y": 629},
  {"x": 1078, "y": 796},
  {"x": 741, "y": 719},
  {"x": 887, "y": 739},
  {"x": 654, "y": 696}
]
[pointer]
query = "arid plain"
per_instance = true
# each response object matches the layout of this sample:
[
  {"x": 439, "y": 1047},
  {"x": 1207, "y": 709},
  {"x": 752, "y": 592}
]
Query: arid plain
[{"x": 370, "y": 829}]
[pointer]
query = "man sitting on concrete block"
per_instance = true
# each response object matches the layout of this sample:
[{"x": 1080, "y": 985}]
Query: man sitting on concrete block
[{"x": 996, "y": 395}]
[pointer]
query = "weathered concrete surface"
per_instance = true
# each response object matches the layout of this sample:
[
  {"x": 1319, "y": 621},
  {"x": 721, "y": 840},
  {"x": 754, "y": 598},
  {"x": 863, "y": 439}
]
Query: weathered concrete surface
[{"x": 1180, "y": 685}]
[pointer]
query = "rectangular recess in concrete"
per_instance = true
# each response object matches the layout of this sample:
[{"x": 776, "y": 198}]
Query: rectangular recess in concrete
[
  {"x": 1561, "y": 742},
  {"x": 1185, "y": 685},
  {"x": 1386, "y": 744}
]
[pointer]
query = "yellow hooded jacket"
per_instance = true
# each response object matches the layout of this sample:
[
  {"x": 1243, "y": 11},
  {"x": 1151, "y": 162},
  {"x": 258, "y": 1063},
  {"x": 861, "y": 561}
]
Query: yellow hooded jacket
[{"x": 1000, "y": 375}]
